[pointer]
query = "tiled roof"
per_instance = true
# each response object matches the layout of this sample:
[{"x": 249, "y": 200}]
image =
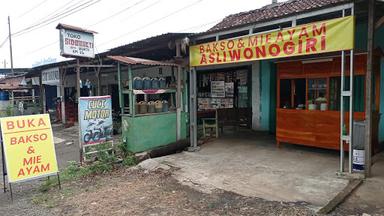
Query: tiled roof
[{"x": 274, "y": 11}]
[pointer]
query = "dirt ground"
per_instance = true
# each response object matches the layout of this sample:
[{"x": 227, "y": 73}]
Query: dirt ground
[
  {"x": 135, "y": 192},
  {"x": 129, "y": 191}
]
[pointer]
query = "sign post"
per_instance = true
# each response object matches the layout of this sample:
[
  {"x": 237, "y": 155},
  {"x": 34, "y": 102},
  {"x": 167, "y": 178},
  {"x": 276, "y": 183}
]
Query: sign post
[
  {"x": 78, "y": 43},
  {"x": 3, "y": 163}
]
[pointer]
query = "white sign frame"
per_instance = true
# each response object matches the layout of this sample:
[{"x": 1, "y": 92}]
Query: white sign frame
[
  {"x": 50, "y": 76},
  {"x": 76, "y": 44}
]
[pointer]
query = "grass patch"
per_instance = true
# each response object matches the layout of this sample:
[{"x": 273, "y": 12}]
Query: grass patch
[
  {"x": 44, "y": 200},
  {"x": 105, "y": 162}
]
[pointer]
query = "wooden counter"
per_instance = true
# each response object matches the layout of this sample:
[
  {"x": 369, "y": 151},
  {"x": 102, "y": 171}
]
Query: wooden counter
[{"x": 311, "y": 127}]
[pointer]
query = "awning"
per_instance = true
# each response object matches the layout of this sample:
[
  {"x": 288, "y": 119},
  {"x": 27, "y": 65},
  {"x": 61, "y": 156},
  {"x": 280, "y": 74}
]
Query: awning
[{"x": 135, "y": 61}]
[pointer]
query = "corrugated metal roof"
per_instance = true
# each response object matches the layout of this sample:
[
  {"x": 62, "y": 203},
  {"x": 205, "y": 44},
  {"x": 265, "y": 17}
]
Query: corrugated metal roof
[
  {"x": 134, "y": 61},
  {"x": 146, "y": 43},
  {"x": 273, "y": 11},
  {"x": 70, "y": 27}
]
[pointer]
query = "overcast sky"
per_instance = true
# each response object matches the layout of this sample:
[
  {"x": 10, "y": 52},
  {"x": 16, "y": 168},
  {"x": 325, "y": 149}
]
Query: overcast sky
[{"x": 117, "y": 22}]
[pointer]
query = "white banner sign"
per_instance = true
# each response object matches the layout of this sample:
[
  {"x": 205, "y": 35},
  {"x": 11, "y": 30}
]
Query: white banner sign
[
  {"x": 77, "y": 44},
  {"x": 50, "y": 76}
]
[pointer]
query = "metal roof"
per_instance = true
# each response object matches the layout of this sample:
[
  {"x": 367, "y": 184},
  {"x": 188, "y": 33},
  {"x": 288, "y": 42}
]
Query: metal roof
[
  {"x": 163, "y": 41},
  {"x": 70, "y": 27},
  {"x": 141, "y": 61},
  {"x": 156, "y": 47}
]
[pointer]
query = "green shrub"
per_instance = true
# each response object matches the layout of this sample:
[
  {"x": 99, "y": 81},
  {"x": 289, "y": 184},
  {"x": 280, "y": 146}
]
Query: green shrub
[{"x": 130, "y": 160}]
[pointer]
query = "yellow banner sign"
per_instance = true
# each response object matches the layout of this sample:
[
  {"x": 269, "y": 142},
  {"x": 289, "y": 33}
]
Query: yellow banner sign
[
  {"x": 319, "y": 37},
  {"x": 28, "y": 146}
]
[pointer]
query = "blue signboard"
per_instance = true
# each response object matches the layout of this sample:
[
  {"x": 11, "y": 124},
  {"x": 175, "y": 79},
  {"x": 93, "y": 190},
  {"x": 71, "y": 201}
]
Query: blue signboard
[{"x": 95, "y": 119}]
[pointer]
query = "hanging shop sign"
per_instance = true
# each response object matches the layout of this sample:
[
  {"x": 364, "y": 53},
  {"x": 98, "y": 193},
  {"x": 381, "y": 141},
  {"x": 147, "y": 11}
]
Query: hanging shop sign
[
  {"x": 95, "y": 119},
  {"x": 76, "y": 43},
  {"x": 313, "y": 38},
  {"x": 28, "y": 147},
  {"x": 50, "y": 76}
]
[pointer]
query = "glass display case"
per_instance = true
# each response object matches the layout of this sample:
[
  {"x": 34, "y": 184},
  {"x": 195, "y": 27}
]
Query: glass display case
[{"x": 317, "y": 94}]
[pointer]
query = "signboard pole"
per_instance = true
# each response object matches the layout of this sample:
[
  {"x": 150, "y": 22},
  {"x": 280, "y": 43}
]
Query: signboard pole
[
  {"x": 78, "y": 107},
  {"x": 10, "y": 189},
  {"x": 58, "y": 180},
  {"x": 4, "y": 167}
]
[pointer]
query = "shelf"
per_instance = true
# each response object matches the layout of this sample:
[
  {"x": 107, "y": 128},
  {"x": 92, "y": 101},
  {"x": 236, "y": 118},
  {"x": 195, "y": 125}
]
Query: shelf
[
  {"x": 150, "y": 114},
  {"x": 314, "y": 89},
  {"x": 149, "y": 91}
]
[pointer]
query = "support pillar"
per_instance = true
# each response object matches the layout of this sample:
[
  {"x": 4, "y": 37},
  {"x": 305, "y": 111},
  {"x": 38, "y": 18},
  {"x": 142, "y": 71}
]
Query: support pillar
[
  {"x": 193, "y": 111},
  {"x": 62, "y": 73},
  {"x": 178, "y": 104},
  {"x": 78, "y": 79},
  {"x": 41, "y": 94},
  {"x": 368, "y": 90}
]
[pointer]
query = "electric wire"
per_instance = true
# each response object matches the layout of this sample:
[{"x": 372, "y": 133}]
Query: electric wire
[
  {"x": 137, "y": 12},
  {"x": 59, "y": 10},
  {"x": 199, "y": 26},
  {"x": 141, "y": 10},
  {"x": 145, "y": 26},
  {"x": 63, "y": 15},
  {"x": 31, "y": 9},
  {"x": 49, "y": 16},
  {"x": 118, "y": 13},
  {"x": 153, "y": 22},
  {"x": 180, "y": 30},
  {"x": 5, "y": 41}
]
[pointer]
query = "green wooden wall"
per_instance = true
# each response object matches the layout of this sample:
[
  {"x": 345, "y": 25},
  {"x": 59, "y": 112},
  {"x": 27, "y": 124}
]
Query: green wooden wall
[
  {"x": 148, "y": 132},
  {"x": 268, "y": 96},
  {"x": 379, "y": 42}
]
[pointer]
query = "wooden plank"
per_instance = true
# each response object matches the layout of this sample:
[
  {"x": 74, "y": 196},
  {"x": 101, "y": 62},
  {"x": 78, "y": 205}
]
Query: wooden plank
[
  {"x": 340, "y": 197},
  {"x": 311, "y": 127}
]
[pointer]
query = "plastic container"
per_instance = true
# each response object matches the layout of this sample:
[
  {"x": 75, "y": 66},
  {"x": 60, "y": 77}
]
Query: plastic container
[
  {"x": 137, "y": 107},
  {"x": 158, "y": 106},
  {"x": 151, "y": 107},
  {"x": 162, "y": 83},
  {"x": 147, "y": 83},
  {"x": 137, "y": 83},
  {"x": 155, "y": 83},
  {"x": 4, "y": 103},
  {"x": 165, "y": 106},
  {"x": 312, "y": 106},
  {"x": 4, "y": 96},
  {"x": 323, "y": 106},
  {"x": 358, "y": 160},
  {"x": 358, "y": 140},
  {"x": 143, "y": 107}
]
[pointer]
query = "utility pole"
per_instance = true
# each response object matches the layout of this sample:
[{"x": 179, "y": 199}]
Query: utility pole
[
  {"x": 5, "y": 63},
  {"x": 10, "y": 43},
  {"x": 368, "y": 89}
]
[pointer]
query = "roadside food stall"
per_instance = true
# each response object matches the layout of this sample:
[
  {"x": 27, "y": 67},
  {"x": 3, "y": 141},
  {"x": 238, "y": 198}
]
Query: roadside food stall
[
  {"x": 150, "y": 102},
  {"x": 312, "y": 79},
  {"x": 308, "y": 100}
]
